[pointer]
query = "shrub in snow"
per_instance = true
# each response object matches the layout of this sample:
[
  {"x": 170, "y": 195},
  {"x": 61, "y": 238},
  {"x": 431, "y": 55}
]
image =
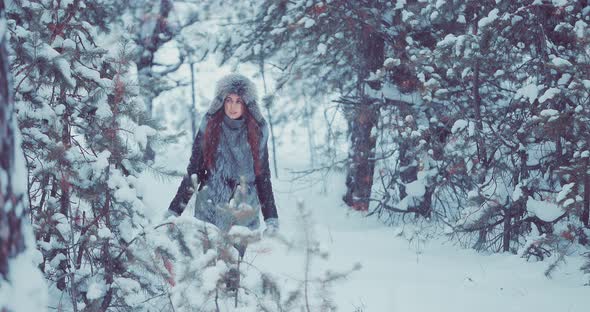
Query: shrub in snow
[{"x": 205, "y": 259}]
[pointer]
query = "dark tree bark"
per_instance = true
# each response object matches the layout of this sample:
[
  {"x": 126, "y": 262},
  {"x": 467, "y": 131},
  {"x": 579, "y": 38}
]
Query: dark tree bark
[
  {"x": 13, "y": 208},
  {"x": 481, "y": 149},
  {"x": 193, "y": 108},
  {"x": 268, "y": 103},
  {"x": 585, "y": 218},
  {"x": 149, "y": 44},
  {"x": 362, "y": 118}
]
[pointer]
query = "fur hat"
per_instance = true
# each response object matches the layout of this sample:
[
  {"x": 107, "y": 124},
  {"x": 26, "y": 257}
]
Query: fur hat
[{"x": 244, "y": 88}]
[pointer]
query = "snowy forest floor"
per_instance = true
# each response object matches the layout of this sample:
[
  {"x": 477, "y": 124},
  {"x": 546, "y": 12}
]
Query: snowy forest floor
[{"x": 396, "y": 275}]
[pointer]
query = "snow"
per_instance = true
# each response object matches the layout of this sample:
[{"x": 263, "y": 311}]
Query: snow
[
  {"x": 27, "y": 290},
  {"x": 104, "y": 233},
  {"x": 322, "y": 48},
  {"x": 565, "y": 190},
  {"x": 549, "y": 94},
  {"x": 2, "y": 28},
  {"x": 56, "y": 260},
  {"x": 448, "y": 40},
  {"x": 517, "y": 194},
  {"x": 308, "y": 22},
  {"x": 47, "y": 52},
  {"x": 69, "y": 44},
  {"x": 93, "y": 75},
  {"x": 19, "y": 177},
  {"x": 24, "y": 288},
  {"x": 131, "y": 288},
  {"x": 392, "y": 92},
  {"x": 549, "y": 113},
  {"x": 459, "y": 125},
  {"x": 416, "y": 188},
  {"x": 406, "y": 15},
  {"x": 492, "y": 16},
  {"x": 102, "y": 161},
  {"x": 546, "y": 211},
  {"x": 240, "y": 231},
  {"x": 64, "y": 3},
  {"x": 559, "y": 62},
  {"x": 530, "y": 91},
  {"x": 390, "y": 63},
  {"x": 141, "y": 134},
  {"x": 213, "y": 274},
  {"x": 59, "y": 109},
  {"x": 400, "y": 4},
  {"x": 64, "y": 68},
  {"x": 103, "y": 110},
  {"x": 278, "y": 31},
  {"x": 396, "y": 274},
  {"x": 127, "y": 230},
  {"x": 580, "y": 29},
  {"x": 433, "y": 15},
  {"x": 564, "y": 79},
  {"x": 96, "y": 290}
]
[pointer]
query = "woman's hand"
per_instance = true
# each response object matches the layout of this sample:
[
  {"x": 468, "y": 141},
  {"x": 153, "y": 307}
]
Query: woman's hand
[{"x": 272, "y": 227}]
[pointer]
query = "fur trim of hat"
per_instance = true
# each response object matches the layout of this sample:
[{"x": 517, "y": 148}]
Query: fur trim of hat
[{"x": 244, "y": 88}]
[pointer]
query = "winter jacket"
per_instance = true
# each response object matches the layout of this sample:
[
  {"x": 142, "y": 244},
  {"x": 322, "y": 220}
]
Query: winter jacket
[{"x": 218, "y": 185}]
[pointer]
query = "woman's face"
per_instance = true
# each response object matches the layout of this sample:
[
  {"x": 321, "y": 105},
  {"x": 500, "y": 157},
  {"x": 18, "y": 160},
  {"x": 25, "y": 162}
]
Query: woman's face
[{"x": 233, "y": 106}]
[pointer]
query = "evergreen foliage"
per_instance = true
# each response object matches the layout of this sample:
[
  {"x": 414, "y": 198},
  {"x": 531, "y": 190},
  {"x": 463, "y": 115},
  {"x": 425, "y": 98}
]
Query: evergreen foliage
[
  {"x": 480, "y": 109},
  {"x": 84, "y": 133}
]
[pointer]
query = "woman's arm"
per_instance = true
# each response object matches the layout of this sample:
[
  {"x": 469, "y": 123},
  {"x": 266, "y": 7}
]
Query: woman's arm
[
  {"x": 195, "y": 166},
  {"x": 264, "y": 188}
]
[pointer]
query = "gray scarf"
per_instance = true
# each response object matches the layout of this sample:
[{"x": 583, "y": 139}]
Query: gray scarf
[{"x": 233, "y": 161}]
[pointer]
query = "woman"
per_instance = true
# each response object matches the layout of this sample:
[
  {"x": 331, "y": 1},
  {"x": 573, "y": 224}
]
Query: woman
[{"x": 229, "y": 161}]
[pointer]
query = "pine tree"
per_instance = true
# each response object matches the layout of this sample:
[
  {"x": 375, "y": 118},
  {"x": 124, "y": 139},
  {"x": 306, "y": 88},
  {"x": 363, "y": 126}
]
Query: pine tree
[
  {"x": 491, "y": 138},
  {"x": 84, "y": 134},
  {"x": 514, "y": 72}
]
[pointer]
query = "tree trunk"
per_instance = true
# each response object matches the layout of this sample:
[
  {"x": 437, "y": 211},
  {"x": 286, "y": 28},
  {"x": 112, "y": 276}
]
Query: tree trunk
[
  {"x": 481, "y": 150},
  {"x": 64, "y": 199},
  {"x": 11, "y": 200},
  {"x": 586, "y": 212},
  {"x": 362, "y": 118},
  {"x": 507, "y": 229},
  {"x": 307, "y": 116},
  {"x": 268, "y": 102},
  {"x": 193, "y": 109},
  {"x": 150, "y": 43},
  {"x": 272, "y": 137},
  {"x": 13, "y": 204}
]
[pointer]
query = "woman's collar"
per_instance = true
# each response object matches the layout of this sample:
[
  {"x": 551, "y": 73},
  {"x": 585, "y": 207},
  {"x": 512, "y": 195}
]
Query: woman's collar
[{"x": 234, "y": 123}]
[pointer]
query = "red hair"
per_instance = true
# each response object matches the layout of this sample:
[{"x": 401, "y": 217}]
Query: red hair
[{"x": 213, "y": 133}]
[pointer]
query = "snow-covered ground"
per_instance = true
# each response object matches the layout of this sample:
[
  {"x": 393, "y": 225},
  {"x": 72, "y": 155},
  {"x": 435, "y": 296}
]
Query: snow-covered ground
[{"x": 396, "y": 275}]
